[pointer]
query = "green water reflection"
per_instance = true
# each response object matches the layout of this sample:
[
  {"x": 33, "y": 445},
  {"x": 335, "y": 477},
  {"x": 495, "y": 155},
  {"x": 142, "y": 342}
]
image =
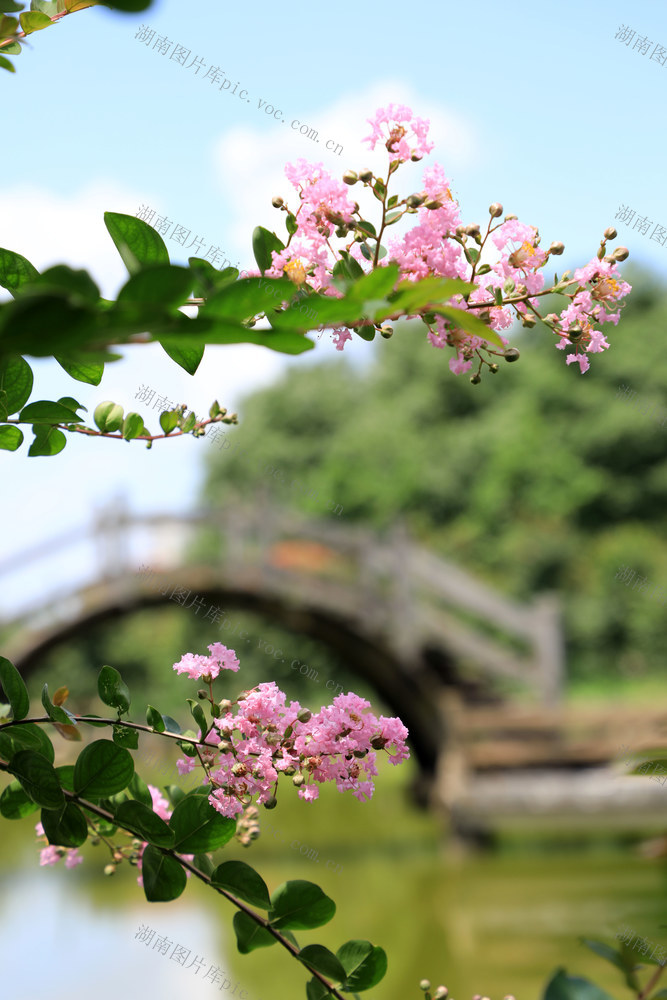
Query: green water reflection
[{"x": 494, "y": 923}]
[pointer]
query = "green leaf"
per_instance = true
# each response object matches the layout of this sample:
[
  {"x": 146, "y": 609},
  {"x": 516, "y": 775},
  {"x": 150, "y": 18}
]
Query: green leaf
[
  {"x": 206, "y": 279},
  {"x": 8, "y": 26},
  {"x": 7, "y": 63},
  {"x": 411, "y": 296},
  {"x": 564, "y": 987},
  {"x": 26, "y": 737},
  {"x": 169, "y": 420},
  {"x": 140, "y": 791},
  {"x": 203, "y": 863},
  {"x": 154, "y": 719},
  {"x": 15, "y": 690},
  {"x": 250, "y": 935},
  {"x": 199, "y": 717},
  {"x": 137, "y": 242},
  {"x": 54, "y": 711},
  {"x": 45, "y": 411},
  {"x": 243, "y": 881},
  {"x": 364, "y": 964},
  {"x": 322, "y": 960},
  {"x": 316, "y": 990},
  {"x": 14, "y": 803},
  {"x": 112, "y": 689},
  {"x": 81, "y": 370},
  {"x": 49, "y": 7},
  {"x": 470, "y": 323},
  {"x": 175, "y": 794},
  {"x": 366, "y": 251},
  {"x": 375, "y": 285},
  {"x": 102, "y": 769},
  {"x": 188, "y": 358},
  {"x": 162, "y": 284},
  {"x": 15, "y": 270},
  {"x": 65, "y": 827},
  {"x": 471, "y": 254},
  {"x": 11, "y": 438},
  {"x": 263, "y": 243},
  {"x": 164, "y": 879},
  {"x": 291, "y": 224},
  {"x": 123, "y": 736},
  {"x": 379, "y": 190},
  {"x": 16, "y": 382},
  {"x": 38, "y": 778},
  {"x": 65, "y": 774},
  {"x": 47, "y": 441},
  {"x": 141, "y": 819},
  {"x": 98, "y": 725},
  {"x": 127, "y": 5},
  {"x": 108, "y": 416},
  {"x": 352, "y": 266},
  {"x": 133, "y": 426},
  {"x": 298, "y": 904},
  {"x": 198, "y": 827},
  {"x": 393, "y": 217},
  {"x": 9, "y": 7},
  {"x": 34, "y": 21},
  {"x": 170, "y": 724}
]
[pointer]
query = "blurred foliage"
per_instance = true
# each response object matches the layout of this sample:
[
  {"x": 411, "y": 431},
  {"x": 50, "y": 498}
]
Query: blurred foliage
[{"x": 537, "y": 479}]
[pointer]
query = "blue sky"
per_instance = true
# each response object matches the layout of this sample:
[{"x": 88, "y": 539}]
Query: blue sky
[{"x": 541, "y": 109}]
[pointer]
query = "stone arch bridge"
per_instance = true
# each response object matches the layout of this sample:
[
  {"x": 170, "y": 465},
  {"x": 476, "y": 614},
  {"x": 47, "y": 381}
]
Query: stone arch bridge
[{"x": 424, "y": 633}]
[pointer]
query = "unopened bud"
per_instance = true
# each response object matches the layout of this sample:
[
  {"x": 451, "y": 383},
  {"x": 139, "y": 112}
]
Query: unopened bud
[
  {"x": 386, "y": 332},
  {"x": 242, "y": 696},
  {"x": 424, "y": 985},
  {"x": 366, "y": 175},
  {"x": 239, "y": 770},
  {"x": 271, "y": 803},
  {"x": 440, "y": 993},
  {"x": 460, "y": 230},
  {"x": 109, "y": 869},
  {"x": 225, "y": 746},
  {"x": 495, "y": 210},
  {"x": 416, "y": 157},
  {"x": 289, "y": 771},
  {"x": 472, "y": 230},
  {"x": 493, "y": 369},
  {"x": 621, "y": 253},
  {"x": 304, "y": 715},
  {"x": 298, "y": 780},
  {"x": 378, "y": 742},
  {"x": 225, "y": 705},
  {"x": 201, "y": 694},
  {"x": 508, "y": 218},
  {"x": 556, "y": 248},
  {"x": 433, "y": 203},
  {"x": 476, "y": 379},
  {"x": 415, "y": 200},
  {"x": 350, "y": 177},
  {"x": 610, "y": 233},
  {"x": 95, "y": 841},
  {"x": 341, "y": 232},
  {"x": 528, "y": 320},
  {"x": 277, "y": 202},
  {"x": 511, "y": 354}
]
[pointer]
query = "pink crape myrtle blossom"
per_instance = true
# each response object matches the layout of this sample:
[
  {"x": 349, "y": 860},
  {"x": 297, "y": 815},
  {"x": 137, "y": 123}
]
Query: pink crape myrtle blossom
[
  {"x": 207, "y": 667},
  {"x": 403, "y": 133}
]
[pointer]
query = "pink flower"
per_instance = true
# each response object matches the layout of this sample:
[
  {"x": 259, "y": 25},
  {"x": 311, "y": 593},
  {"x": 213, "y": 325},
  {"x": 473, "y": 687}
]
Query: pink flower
[
  {"x": 399, "y": 121},
  {"x": 49, "y": 855},
  {"x": 195, "y": 666},
  {"x": 584, "y": 364},
  {"x": 226, "y": 658},
  {"x": 73, "y": 858}
]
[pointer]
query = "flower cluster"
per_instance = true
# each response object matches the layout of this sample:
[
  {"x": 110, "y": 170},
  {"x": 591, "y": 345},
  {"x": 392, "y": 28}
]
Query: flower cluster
[
  {"x": 207, "y": 667},
  {"x": 505, "y": 271},
  {"x": 259, "y": 736}
]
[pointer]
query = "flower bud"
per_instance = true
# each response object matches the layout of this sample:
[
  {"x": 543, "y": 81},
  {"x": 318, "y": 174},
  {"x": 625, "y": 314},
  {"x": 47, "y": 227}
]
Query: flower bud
[
  {"x": 511, "y": 354},
  {"x": 440, "y": 993},
  {"x": 433, "y": 203},
  {"x": 621, "y": 253},
  {"x": 476, "y": 379},
  {"x": 425, "y": 985},
  {"x": 610, "y": 233},
  {"x": 528, "y": 320},
  {"x": 366, "y": 175},
  {"x": 460, "y": 230},
  {"x": 239, "y": 770},
  {"x": 386, "y": 332},
  {"x": 277, "y": 202},
  {"x": 378, "y": 742},
  {"x": 341, "y": 232},
  {"x": 495, "y": 210},
  {"x": 95, "y": 841},
  {"x": 298, "y": 780},
  {"x": 493, "y": 369},
  {"x": 109, "y": 869},
  {"x": 289, "y": 771},
  {"x": 253, "y": 834},
  {"x": 242, "y": 696},
  {"x": 472, "y": 230},
  {"x": 508, "y": 218},
  {"x": 556, "y": 248},
  {"x": 271, "y": 803},
  {"x": 202, "y": 693},
  {"x": 226, "y": 746},
  {"x": 415, "y": 200},
  {"x": 225, "y": 705},
  {"x": 350, "y": 177},
  {"x": 304, "y": 715}
]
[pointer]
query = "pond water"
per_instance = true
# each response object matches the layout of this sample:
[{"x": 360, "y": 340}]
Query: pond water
[{"x": 490, "y": 923}]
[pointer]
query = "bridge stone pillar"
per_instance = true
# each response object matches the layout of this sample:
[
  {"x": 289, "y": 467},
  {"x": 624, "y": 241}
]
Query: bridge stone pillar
[{"x": 452, "y": 772}]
